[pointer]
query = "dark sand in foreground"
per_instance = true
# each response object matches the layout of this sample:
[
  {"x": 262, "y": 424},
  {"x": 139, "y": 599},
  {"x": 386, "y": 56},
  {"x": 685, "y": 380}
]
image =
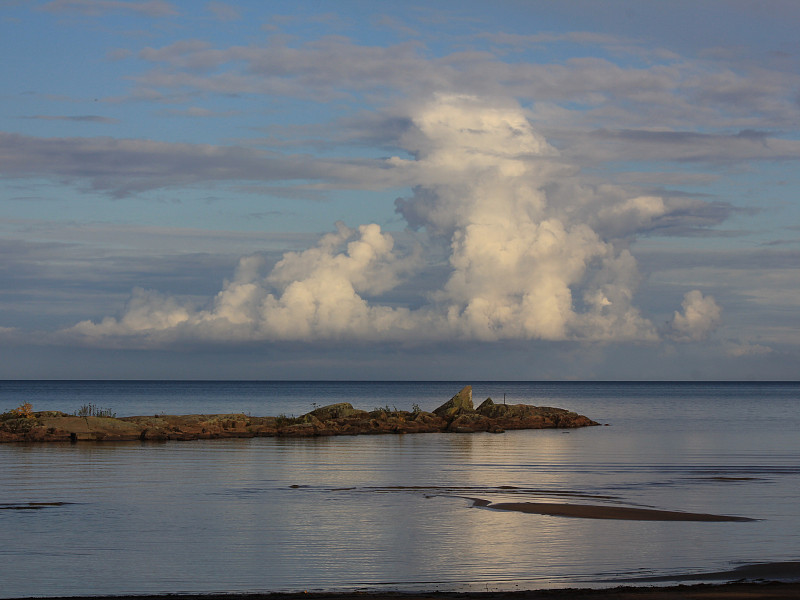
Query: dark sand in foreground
[{"x": 730, "y": 591}]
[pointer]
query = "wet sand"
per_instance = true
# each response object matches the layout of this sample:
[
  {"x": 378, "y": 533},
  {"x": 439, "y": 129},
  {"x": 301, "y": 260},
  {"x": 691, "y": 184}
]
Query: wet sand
[
  {"x": 775, "y": 571},
  {"x": 729, "y": 591}
]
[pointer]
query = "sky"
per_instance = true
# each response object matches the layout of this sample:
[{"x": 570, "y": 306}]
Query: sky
[{"x": 453, "y": 190}]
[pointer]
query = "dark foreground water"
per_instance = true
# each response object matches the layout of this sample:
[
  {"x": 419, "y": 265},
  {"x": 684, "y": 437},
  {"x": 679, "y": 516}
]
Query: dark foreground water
[{"x": 392, "y": 512}]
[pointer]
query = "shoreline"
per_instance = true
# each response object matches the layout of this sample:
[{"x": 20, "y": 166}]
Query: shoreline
[
  {"x": 754, "y": 581},
  {"x": 749, "y": 590}
]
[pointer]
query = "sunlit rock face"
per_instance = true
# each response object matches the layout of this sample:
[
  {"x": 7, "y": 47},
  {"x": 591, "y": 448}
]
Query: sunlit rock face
[{"x": 458, "y": 404}]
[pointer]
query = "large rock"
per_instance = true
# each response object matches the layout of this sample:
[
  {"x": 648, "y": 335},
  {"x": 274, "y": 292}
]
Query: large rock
[
  {"x": 459, "y": 404},
  {"x": 525, "y": 416},
  {"x": 489, "y": 409}
]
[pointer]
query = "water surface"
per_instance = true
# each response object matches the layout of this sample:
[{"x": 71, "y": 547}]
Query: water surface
[{"x": 394, "y": 512}]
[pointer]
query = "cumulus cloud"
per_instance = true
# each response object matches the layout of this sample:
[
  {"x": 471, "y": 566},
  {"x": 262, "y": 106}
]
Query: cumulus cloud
[
  {"x": 526, "y": 258},
  {"x": 319, "y": 293},
  {"x": 701, "y": 315},
  {"x": 314, "y": 294}
]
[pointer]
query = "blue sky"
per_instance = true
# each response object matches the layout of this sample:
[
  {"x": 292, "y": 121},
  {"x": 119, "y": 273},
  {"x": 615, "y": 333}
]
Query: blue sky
[{"x": 375, "y": 190}]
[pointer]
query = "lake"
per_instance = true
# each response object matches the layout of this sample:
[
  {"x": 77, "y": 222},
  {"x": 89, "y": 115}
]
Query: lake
[{"x": 396, "y": 511}]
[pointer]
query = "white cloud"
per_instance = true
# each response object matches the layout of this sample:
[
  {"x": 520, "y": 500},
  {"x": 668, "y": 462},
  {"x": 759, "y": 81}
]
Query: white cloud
[
  {"x": 147, "y": 311},
  {"x": 319, "y": 292},
  {"x": 701, "y": 315},
  {"x": 524, "y": 263}
]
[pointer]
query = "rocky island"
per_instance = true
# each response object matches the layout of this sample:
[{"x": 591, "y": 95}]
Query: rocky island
[{"x": 457, "y": 415}]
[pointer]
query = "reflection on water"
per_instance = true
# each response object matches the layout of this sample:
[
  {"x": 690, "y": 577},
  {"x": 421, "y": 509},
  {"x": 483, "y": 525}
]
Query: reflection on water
[
  {"x": 397, "y": 511},
  {"x": 272, "y": 514}
]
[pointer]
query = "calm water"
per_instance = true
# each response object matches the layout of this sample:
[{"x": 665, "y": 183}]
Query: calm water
[{"x": 380, "y": 512}]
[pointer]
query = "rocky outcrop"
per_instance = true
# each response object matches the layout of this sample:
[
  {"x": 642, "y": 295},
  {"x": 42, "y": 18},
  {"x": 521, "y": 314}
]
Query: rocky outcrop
[
  {"x": 524, "y": 416},
  {"x": 457, "y": 415}
]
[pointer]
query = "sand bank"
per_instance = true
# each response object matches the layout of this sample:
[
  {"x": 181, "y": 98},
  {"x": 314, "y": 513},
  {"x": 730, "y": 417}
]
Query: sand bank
[{"x": 594, "y": 511}]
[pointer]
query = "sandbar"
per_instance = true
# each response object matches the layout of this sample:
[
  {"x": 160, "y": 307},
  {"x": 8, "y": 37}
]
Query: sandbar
[{"x": 596, "y": 511}]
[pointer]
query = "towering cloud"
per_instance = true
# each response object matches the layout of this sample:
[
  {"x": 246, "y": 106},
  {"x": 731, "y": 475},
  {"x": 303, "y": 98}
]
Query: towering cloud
[
  {"x": 517, "y": 257},
  {"x": 531, "y": 254}
]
